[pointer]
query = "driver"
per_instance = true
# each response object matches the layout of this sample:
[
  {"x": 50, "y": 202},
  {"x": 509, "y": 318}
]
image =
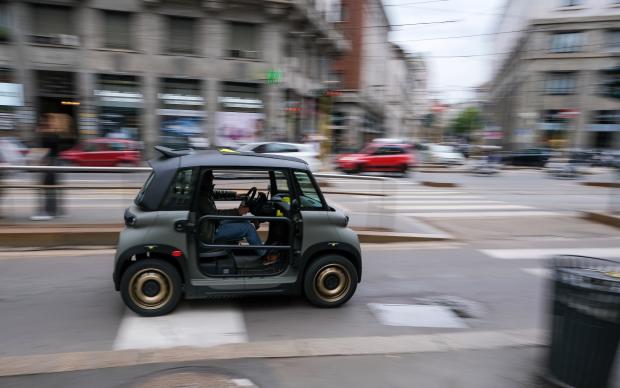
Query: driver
[{"x": 228, "y": 230}]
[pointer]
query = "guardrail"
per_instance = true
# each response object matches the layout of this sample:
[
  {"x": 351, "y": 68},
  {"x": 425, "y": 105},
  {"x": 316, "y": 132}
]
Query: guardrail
[{"x": 384, "y": 189}]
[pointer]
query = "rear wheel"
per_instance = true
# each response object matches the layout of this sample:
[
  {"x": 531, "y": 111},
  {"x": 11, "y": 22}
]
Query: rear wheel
[
  {"x": 151, "y": 287},
  {"x": 330, "y": 281}
]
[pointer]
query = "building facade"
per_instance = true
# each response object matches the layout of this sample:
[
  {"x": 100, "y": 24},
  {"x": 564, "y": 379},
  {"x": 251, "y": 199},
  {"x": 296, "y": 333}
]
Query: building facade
[
  {"x": 361, "y": 75},
  {"x": 548, "y": 87},
  {"x": 167, "y": 71}
]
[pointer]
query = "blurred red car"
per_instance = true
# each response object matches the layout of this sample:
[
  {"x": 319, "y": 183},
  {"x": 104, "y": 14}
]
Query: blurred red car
[
  {"x": 378, "y": 157},
  {"x": 103, "y": 152}
]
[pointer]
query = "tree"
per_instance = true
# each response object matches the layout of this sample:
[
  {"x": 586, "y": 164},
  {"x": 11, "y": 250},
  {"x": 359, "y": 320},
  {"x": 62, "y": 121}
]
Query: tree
[{"x": 469, "y": 120}]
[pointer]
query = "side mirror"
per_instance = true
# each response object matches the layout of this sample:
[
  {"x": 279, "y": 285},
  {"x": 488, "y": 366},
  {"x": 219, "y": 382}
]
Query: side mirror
[{"x": 295, "y": 205}]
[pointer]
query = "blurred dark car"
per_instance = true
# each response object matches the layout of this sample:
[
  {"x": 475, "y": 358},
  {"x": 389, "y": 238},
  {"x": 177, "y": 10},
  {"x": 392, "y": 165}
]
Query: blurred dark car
[
  {"x": 534, "y": 157},
  {"x": 103, "y": 152},
  {"x": 378, "y": 157}
]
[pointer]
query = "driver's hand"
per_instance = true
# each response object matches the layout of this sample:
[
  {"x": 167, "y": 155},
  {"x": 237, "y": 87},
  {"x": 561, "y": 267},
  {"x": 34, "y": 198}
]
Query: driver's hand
[
  {"x": 256, "y": 224},
  {"x": 243, "y": 210}
]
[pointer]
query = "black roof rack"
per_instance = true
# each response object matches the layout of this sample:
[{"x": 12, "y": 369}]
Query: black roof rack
[{"x": 170, "y": 153}]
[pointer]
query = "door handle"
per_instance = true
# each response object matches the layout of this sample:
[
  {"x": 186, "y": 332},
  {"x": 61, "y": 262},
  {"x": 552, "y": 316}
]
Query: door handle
[{"x": 182, "y": 226}]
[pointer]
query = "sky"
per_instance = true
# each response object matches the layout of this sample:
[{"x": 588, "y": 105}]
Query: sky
[{"x": 450, "y": 79}]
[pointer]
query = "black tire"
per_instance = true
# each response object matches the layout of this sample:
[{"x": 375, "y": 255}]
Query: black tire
[
  {"x": 404, "y": 169},
  {"x": 326, "y": 276},
  {"x": 156, "y": 277}
]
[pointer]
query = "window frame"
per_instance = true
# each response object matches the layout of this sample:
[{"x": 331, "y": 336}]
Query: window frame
[
  {"x": 169, "y": 46},
  {"x": 299, "y": 191},
  {"x": 561, "y": 46},
  {"x": 554, "y": 91},
  {"x": 189, "y": 208},
  {"x": 130, "y": 41}
]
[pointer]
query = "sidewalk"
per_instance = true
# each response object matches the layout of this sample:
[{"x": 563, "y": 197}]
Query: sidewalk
[{"x": 506, "y": 368}]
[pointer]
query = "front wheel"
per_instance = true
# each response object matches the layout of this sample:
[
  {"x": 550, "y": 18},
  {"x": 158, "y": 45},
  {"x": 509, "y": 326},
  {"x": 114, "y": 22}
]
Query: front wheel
[
  {"x": 151, "y": 287},
  {"x": 330, "y": 281}
]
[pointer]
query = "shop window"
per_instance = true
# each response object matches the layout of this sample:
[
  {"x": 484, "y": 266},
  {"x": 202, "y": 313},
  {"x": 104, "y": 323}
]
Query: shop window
[
  {"x": 5, "y": 24},
  {"x": 182, "y": 35},
  {"x": 53, "y": 24},
  {"x": 117, "y": 32},
  {"x": 566, "y": 42},
  {"x": 244, "y": 41},
  {"x": 613, "y": 40},
  {"x": 561, "y": 83}
]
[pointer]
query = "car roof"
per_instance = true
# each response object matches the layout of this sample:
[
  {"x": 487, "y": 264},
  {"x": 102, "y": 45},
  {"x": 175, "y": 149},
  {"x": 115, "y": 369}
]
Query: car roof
[{"x": 226, "y": 158}]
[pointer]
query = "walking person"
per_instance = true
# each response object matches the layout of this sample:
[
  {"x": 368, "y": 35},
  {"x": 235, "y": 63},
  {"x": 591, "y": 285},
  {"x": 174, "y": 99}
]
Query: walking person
[{"x": 54, "y": 137}]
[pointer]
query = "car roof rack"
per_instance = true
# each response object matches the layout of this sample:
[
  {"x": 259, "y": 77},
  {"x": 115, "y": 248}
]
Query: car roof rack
[{"x": 170, "y": 153}]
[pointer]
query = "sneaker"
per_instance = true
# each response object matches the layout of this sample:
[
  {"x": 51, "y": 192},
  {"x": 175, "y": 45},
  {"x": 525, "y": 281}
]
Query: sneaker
[{"x": 41, "y": 217}]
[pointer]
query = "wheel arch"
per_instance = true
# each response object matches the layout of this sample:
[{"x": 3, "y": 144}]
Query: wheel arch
[
  {"x": 145, "y": 252},
  {"x": 347, "y": 251}
]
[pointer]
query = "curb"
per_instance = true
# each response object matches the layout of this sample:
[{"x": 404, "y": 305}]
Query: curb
[
  {"x": 611, "y": 185},
  {"x": 59, "y": 235},
  {"x": 602, "y": 218},
  {"x": 314, "y": 347},
  {"x": 438, "y": 184}
]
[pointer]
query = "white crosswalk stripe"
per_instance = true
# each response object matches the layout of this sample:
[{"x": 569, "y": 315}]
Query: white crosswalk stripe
[
  {"x": 421, "y": 202},
  {"x": 546, "y": 253}
]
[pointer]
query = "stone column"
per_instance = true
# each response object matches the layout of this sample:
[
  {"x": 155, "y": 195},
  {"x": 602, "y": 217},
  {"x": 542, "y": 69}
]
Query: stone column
[{"x": 211, "y": 94}]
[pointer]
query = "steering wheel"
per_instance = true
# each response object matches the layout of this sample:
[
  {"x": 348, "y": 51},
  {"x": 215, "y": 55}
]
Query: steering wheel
[{"x": 250, "y": 196}]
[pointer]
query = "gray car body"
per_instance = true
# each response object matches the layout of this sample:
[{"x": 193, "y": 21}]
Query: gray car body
[{"x": 153, "y": 234}]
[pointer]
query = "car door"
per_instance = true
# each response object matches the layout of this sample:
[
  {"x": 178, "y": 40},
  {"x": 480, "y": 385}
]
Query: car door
[{"x": 380, "y": 159}]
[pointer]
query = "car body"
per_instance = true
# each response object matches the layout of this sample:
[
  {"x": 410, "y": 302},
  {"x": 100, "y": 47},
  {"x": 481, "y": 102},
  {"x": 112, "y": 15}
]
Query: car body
[
  {"x": 163, "y": 255},
  {"x": 103, "y": 152},
  {"x": 533, "y": 157},
  {"x": 378, "y": 157},
  {"x": 305, "y": 152},
  {"x": 440, "y": 154}
]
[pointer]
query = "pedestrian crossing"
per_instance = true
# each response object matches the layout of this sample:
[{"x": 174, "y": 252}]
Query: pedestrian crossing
[{"x": 422, "y": 202}]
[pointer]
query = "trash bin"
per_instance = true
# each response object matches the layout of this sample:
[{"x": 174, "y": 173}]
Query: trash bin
[{"x": 585, "y": 324}]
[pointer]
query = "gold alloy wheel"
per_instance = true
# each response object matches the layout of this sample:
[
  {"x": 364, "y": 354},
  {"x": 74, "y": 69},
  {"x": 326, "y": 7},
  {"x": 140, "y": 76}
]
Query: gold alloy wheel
[
  {"x": 150, "y": 289},
  {"x": 332, "y": 282}
]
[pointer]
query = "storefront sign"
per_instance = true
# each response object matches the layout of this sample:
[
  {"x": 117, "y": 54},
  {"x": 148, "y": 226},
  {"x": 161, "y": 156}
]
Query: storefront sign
[
  {"x": 234, "y": 128},
  {"x": 119, "y": 99},
  {"x": 182, "y": 112},
  {"x": 11, "y": 94},
  {"x": 243, "y": 103},
  {"x": 180, "y": 99}
]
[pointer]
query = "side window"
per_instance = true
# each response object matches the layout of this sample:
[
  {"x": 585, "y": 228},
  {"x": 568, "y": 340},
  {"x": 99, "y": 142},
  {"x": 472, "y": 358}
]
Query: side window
[
  {"x": 140, "y": 196},
  {"x": 309, "y": 198},
  {"x": 90, "y": 147},
  {"x": 116, "y": 146},
  {"x": 281, "y": 183},
  {"x": 261, "y": 149},
  {"x": 179, "y": 196},
  {"x": 275, "y": 148},
  {"x": 288, "y": 148}
]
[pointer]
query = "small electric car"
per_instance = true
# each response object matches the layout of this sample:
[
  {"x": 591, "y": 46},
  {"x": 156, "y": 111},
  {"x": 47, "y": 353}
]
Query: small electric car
[{"x": 187, "y": 233}]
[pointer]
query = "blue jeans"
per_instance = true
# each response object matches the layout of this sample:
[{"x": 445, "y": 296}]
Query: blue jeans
[{"x": 238, "y": 230}]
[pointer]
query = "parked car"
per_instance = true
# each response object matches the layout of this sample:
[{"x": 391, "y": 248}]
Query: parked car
[
  {"x": 440, "y": 154},
  {"x": 103, "y": 152},
  {"x": 378, "y": 157},
  {"x": 535, "y": 157},
  {"x": 305, "y": 152},
  {"x": 164, "y": 255}
]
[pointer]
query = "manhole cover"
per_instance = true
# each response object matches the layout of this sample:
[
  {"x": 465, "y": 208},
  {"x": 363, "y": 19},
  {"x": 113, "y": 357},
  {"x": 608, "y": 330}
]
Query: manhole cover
[{"x": 416, "y": 315}]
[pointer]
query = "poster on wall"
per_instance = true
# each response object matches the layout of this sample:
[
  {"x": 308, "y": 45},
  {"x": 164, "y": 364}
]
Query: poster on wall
[{"x": 237, "y": 128}]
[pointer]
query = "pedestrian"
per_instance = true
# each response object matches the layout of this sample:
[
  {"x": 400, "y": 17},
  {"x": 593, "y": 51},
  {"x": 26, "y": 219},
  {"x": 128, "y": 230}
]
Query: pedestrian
[{"x": 54, "y": 137}]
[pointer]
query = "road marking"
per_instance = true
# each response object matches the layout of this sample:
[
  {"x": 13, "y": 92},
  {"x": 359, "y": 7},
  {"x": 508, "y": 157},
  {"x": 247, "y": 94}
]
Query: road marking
[
  {"x": 545, "y": 253},
  {"x": 438, "y": 202},
  {"x": 205, "y": 326},
  {"x": 306, "y": 347},
  {"x": 456, "y": 207},
  {"x": 540, "y": 272},
  {"x": 416, "y": 315},
  {"x": 474, "y": 215}
]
